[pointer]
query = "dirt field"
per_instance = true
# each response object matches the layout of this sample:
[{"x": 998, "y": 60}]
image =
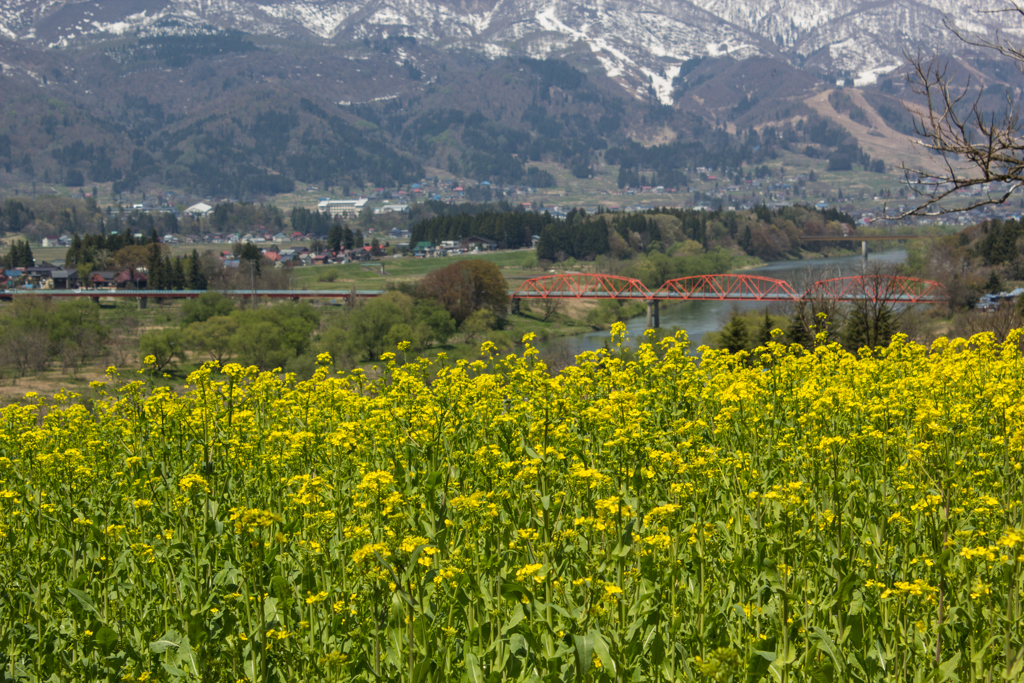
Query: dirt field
[{"x": 13, "y": 389}]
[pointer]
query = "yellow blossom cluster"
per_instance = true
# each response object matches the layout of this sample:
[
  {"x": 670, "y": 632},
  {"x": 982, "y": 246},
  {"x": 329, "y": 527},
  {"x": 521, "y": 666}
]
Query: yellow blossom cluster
[{"x": 646, "y": 513}]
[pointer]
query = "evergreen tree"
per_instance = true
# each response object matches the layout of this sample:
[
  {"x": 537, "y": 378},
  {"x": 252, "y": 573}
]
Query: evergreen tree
[
  {"x": 19, "y": 256},
  {"x": 358, "y": 238},
  {"x": 74, "y": 254},
  {"x": 155, "y": 275},
  {"x": 157, "y": 278},
  {"x": 196, "y": 278},
  {"x": 252, "y": 254},
  {"x": 178, "y": 275},
  {"x": 864, "y": 330},
  {"x": 733, "y": 336},
  {"x": 797, "y": 332},
  {"x": 994, "y": 284},
  {"x": 764, "y": 333},
  {"x": 334, "y": 237},
  {"x": 745, "y": 239}
]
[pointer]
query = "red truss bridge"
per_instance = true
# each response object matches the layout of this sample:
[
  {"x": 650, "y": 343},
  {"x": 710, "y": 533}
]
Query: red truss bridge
[{"x": 732, "y": 287}]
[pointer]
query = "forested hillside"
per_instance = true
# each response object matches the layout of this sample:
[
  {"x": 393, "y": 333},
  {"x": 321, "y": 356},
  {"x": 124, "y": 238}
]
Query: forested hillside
[
  {"x": 235, "y": 116},
  {"x": 661, "y": 243}
]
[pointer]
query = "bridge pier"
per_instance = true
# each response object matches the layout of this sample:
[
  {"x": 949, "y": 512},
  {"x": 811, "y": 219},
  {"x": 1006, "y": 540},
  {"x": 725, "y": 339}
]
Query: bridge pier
[
  {"x": 864, "y": 257},
  {"x": 95, "y": 300},
  {"x": 142, "y": 302},
  {"x": 653, "y": 315},
  {"x": 513, "y": 306}
]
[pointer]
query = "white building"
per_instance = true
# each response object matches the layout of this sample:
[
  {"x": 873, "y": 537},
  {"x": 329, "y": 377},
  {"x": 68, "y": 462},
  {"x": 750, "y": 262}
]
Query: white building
[
  {"x": 200, "y": 209},
  {"x": 346, "y": 208}
]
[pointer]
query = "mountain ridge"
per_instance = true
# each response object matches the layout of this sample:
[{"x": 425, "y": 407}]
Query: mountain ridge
[
  {"x": 180, "y": 94},
  {"x": 640, "y": 44}
]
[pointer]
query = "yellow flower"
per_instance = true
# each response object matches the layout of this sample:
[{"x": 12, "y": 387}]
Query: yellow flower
[
  {"x": 612, "y": 591},
  {"x": 313, "y": 598}
]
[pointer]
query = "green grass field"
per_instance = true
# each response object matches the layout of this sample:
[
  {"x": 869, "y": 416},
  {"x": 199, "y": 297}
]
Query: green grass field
[{"x": 406, "y": 269}]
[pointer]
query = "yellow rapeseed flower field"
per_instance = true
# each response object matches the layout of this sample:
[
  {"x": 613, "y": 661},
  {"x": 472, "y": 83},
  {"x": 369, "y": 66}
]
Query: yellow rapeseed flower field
[{"x": 780, "y": 516}]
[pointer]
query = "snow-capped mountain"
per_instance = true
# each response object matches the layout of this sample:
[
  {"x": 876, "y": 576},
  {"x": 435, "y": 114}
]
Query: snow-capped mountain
[{"x": 641, "y": 43}]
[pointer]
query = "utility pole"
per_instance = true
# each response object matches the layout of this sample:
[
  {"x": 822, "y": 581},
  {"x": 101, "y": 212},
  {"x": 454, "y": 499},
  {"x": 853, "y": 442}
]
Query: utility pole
[{"x": 252, "y": 272}]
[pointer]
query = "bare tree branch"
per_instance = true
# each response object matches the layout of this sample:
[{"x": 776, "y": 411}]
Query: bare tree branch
[{"x": 972, "y": 147}]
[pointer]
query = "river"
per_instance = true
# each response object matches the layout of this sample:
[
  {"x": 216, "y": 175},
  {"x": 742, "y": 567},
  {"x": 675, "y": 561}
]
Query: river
[{"x": 700, "y": 317}]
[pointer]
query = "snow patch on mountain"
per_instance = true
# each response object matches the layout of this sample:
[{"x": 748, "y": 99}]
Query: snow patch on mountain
[
  {"x": 661, "y": 85},
  {"x": 870, "y": 76},
  {"x": 322, "y": 21},
  {"x": 129, "y": 23},
  {"x": 634, "y": 42}
]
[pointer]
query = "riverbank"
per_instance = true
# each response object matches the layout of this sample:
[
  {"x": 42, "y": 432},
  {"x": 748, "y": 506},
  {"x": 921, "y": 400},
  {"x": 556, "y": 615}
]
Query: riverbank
[
  {"x": 562, "y": 328},
  {"x": 701, "y": 318}
]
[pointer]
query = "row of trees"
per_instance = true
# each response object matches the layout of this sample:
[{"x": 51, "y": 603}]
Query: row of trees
[
  {"x": 213, "y": 327},
  {"x": 856, "y": 326},
  {"x": 1001, "y": 241},
  {"x": 575, "y": 237},
  {"x": 175, "y": 273},
  {"x": 466, "y": 296},
  {"x": 310, "y": 222},
  {"x": 470, "y": 297},
  {"x": 341, "y": 236},
  {"x": 765, "y": 233},
  {"x": 38, "y": 334},
  {"x": 869, "y": 322},
  {"x": 100, "y": 251},
  {"x": 19, "y": 256},
  {"x": 510, "y": 229}
]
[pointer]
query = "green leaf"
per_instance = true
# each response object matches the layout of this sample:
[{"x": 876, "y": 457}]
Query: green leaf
[
  {"x": 387, "y": 565},
  {"x": 473, "y": 670},
  {"x": 584, "y": 654},
  {"x": 947, "y": 670},
  {"x": 187, "y": 657},
  {"x": 1014, "y": 673},
  {"x": 822, "y": 673},
  {"x": 86, "y": 601},
  {"x": 168, "y": 640},
  {"x": 601, "y": 648},
  {"x": 825, "y": 644},
  {"x": 856, "y": 604},
  {"x": 173, "y": 670},
  {"x": 981, "y": 652},
  {"x": 422, "y": 670},
  {"x": 847, "y": 585},
  {"x": 517, "y": 616},
  {"x": 106, "y": 639},
  {"x": 413, "y": 558},
  {"x": 757, "y": 665},
  {"x": 657, "y": 649},
  {"x": 787, "y": 656}
]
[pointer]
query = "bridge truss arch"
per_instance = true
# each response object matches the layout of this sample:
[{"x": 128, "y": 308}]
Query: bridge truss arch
[
  {"x": 726, "y": 287},
  {"x": 582, "y": 286},
  {"x": 890, "y": 288},
  {"x": 733, "y": 287}
]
